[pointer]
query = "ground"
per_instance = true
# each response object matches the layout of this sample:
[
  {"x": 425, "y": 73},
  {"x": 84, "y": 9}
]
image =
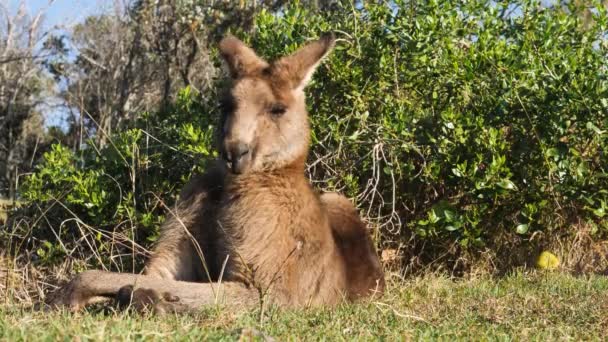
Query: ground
[{"x": 523, "y": 306}]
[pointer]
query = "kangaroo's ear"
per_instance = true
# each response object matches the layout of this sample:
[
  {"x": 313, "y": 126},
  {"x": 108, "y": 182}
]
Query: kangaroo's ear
[
  {"x": 240, "y": 58},
  {"x": 300, "y": 66}
]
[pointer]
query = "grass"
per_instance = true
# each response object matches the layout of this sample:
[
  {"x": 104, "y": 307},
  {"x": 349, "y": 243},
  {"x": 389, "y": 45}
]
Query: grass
[{"x": 523, "y": 306}]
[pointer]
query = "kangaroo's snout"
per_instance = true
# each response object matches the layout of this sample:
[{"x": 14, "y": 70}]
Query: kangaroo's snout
[{"x": 238, "y": 156}]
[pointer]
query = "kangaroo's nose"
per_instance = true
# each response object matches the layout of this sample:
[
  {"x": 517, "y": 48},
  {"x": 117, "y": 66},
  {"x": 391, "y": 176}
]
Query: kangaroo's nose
[
  {"x": 239, "y": 157},
  {"x": 238, "y": 151}
]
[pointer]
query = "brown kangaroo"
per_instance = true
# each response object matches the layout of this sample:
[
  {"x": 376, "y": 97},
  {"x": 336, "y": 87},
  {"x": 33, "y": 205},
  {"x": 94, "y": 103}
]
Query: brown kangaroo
[{"x": 252, "y": 227}]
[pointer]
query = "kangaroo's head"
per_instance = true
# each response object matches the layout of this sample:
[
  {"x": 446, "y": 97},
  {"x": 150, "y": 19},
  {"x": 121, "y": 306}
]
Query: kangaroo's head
[{"x": 265, "y": 122}]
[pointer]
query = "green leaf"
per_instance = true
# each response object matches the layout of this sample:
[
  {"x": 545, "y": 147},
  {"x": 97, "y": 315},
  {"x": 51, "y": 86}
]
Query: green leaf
[
  {"x": 449, "y": 215},
  {"x": 594, "y": 128},
  {"x": 521, "y": 228},
  {"x": 507, "y": 184},
  {"x": 456, "y": 172},
  {"x": 599, "y": 212},
  {"x": 552, "y": 152},
  {"x": 581, "y": 169}
]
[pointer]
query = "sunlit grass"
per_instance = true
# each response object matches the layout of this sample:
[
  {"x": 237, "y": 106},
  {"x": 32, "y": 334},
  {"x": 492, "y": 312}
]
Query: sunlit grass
[{"x": 532, "y": 306}]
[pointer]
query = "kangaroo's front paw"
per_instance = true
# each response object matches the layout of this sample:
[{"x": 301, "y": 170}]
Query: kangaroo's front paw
[
  {"x": 70, "y": 296},
  {"x": 145, "y": 300}
]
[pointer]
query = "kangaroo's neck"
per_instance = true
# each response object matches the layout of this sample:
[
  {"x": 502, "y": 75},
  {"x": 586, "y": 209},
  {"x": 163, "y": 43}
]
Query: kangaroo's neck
[
  {"x": 271, "y": 178},
  {"x": 292, "y": 169}
]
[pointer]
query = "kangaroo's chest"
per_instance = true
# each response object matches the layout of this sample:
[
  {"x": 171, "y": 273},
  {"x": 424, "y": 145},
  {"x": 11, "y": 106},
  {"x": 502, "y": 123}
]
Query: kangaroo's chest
[
  {"x": 272, "y": 225},
  {"x": 262, "y": 215}
]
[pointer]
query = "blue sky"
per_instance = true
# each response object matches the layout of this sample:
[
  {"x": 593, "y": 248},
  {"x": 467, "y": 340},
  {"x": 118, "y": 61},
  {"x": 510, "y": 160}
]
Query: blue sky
[
  {"x": 61, "y": 12},
  {"x": 59, "y": 15}
]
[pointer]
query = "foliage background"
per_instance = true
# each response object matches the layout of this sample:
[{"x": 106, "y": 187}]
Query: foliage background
[{"x": 465, "y": 131}]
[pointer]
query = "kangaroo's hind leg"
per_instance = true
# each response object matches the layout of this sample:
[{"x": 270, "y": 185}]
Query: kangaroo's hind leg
[{"x": 363, "y": 269}]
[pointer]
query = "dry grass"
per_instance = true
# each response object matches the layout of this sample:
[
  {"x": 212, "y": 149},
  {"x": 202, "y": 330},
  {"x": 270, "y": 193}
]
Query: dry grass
[
  {"x": 24, "y": 280},
  {"x": 5, "y": 207}
]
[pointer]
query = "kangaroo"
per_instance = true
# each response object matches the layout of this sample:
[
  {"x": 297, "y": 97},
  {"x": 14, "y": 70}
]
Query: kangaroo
[{"x": 252, "y": 226}]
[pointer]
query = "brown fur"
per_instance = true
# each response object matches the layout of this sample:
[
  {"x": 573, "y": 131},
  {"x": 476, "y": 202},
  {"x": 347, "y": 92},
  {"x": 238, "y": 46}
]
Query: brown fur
[{"x": 257, "y": 227}]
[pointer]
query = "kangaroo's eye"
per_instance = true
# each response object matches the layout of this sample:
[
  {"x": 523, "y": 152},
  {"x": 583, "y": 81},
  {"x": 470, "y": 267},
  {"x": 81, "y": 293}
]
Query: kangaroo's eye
[{"x": 278, "y": 109}]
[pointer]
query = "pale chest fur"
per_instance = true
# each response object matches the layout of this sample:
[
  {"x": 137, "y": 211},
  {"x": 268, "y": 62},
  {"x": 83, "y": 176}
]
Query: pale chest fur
[{"x": 272, "y": 221}]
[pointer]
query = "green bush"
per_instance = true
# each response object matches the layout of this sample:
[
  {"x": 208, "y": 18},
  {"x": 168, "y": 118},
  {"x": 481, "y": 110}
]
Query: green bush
[
  {"x": 449, "y": 122},
  {"x": 101, "y": 203},
  {"x": 469, "y": 118}
]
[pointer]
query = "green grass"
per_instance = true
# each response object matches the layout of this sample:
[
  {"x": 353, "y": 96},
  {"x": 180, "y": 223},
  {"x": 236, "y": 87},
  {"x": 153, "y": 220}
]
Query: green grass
[{"x": 533, "y": 306}]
